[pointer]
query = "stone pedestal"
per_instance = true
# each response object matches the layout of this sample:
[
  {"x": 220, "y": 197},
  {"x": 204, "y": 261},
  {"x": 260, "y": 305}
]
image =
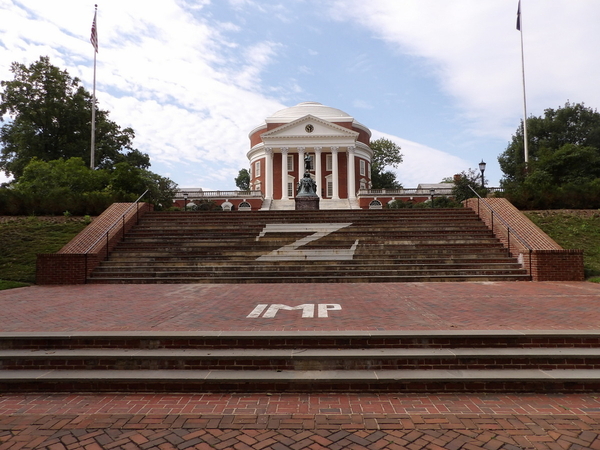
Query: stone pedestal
[{"x": 307, "y": 203}]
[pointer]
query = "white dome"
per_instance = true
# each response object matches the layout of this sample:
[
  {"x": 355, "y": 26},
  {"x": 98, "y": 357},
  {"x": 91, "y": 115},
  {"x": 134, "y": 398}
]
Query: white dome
[{"x": 313, "y": 108}]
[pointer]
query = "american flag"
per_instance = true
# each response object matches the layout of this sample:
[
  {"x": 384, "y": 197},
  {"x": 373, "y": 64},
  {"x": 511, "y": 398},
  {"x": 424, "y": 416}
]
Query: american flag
[{"x": 94, "y": 36}]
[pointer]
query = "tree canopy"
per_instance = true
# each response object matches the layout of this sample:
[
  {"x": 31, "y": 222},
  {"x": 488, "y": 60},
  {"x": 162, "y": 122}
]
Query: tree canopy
[
  {"x": 564, "y": 160},
  {"x": 385, "y": 154},
  {"x": 57, "y": 186},
  {"x": 50, "y": 118},
  {"x": 242, "y": 181}
]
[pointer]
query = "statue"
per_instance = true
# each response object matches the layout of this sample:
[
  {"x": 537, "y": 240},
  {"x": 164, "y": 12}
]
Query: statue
[
  {"x": 308, "y": 163},
  {"x": 307, "y": 187}
]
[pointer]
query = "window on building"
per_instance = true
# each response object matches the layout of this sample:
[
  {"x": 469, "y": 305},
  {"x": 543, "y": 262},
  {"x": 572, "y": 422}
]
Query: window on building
[
  {"x": 290, "y": 190},
  {"x": 363, "y": 167},
  {"x": 257, "y": 168},
  {"x": 328, "y": 162},
  {"x": 290, "y": 163},
  {"x": 329, "y": 189}
]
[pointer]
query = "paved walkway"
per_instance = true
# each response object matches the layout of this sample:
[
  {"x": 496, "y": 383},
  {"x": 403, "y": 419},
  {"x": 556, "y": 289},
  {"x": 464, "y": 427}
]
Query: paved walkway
[
  {"x": 301, "y": 421},
  {"x": 384, "y": 306}
]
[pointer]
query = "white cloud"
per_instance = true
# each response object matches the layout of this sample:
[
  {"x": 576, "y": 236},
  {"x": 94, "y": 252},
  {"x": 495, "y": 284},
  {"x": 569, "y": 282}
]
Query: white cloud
[
  {"x": 473, "y": 48},
  {"x": 422, "y": 164}
]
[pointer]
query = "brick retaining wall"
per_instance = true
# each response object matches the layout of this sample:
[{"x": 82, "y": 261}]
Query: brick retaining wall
[
  {"x": 543, "y": 258},
  {"x": 76, "y": 260}
]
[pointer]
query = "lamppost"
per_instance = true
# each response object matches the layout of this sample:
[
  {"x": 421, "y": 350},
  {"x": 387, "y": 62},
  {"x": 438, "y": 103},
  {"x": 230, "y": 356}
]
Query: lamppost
[
  {"x": 482, "y": 168},
  {"x": 432, "y": 192},
  {"x": 185, "y": 196}
]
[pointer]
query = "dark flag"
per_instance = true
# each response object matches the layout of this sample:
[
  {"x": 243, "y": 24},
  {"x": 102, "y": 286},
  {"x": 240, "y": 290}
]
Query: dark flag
[
  {"x": 519, "y": 16},
  {"x": 94, "y": 36}
]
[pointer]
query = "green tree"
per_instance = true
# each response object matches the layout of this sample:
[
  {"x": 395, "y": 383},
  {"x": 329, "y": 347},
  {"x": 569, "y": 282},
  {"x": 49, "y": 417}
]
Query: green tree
[
  {"x": 50, "y": 118},
  {"x": 464, "y": 185},
  {"x": 385, "y": 154},
  {"x": 564, "y": 160},
  {"x": 242, "y": 181},
  {"x": 52, "y": 187}
]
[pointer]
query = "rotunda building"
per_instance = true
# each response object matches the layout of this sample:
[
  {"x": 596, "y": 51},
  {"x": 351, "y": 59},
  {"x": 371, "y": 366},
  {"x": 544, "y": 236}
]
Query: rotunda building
[{"x": 337, "y": 146}]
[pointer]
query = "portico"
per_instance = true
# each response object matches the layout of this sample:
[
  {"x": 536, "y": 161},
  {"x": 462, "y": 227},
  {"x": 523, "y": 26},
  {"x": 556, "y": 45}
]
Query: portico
[{"x": 336, "y": 142}]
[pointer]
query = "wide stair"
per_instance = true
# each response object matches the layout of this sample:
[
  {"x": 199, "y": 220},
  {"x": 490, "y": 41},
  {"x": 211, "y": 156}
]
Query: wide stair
[
  {"x": 309, "y": 247},
  {"x": 417, "y": 361}
]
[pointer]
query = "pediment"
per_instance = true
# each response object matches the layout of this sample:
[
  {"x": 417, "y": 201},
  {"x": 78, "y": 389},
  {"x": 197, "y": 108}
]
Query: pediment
[{"x": 309, "y": 127}]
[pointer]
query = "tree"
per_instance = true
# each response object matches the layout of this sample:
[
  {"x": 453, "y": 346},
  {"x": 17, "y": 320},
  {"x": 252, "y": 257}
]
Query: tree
[
  {"x": 564, "y": 160},
  {"x": 242, "y": 181},
  {"x": 51, "y": 119},
  {"x": 385, "y": 154},
  {"x": 52, "y": 187},
  {"x": 464, "y": 185}
]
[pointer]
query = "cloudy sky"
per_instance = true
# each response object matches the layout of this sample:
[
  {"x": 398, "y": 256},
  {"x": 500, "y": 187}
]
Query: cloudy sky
[{"x": 442, "y": 78}]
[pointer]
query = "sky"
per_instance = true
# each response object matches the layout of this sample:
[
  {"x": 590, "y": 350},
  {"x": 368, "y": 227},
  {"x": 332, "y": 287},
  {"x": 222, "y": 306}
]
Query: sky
[{"x": 441, "y": 78}]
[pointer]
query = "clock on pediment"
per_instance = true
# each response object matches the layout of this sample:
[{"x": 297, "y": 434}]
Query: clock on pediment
[{"x": 309, "y": 128}]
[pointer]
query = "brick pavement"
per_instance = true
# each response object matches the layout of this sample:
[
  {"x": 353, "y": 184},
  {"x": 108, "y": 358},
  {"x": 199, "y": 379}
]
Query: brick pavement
[
  {"x": 382, "y": 306},
  {"x": 301, "y": 421}
]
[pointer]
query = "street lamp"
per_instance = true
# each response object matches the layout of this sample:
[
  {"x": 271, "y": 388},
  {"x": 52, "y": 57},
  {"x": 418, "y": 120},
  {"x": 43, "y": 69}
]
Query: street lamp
[
  {"x": 432, "y": 192},
  {"x": 185, "y": 196},
  {"x": 482, "y": 168}
]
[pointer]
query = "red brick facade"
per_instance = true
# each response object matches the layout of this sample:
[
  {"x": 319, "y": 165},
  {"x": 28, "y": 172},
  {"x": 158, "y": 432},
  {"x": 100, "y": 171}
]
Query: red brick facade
[{"x": 543, "y": 258}]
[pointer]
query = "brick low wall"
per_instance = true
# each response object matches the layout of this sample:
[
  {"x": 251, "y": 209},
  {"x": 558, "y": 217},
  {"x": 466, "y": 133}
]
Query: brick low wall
[
  {"x": 543, "y": 258},
  {"x": 76, "y": 260}
]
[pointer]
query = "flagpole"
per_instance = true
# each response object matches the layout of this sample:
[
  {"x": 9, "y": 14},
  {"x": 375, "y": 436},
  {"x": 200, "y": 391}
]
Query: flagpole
[
  {"x": 94, "y": 40},
  {"x": 525, "y": 139}
]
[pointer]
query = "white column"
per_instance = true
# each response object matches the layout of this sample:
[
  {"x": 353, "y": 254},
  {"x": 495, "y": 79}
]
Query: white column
[
  {"x": 351, "y": 183},
  {"x": 269, "y": 172},
  {"x": 335, "y": 173},
  {"x": 301, "y": 162},
  {"x": 318, "y": 171},
  {"x": 284, "y": 173}
]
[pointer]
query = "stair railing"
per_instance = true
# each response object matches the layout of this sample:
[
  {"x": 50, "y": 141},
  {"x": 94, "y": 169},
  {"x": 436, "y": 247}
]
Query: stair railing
[
  {"x": 118, "y": 221},
  {"x": 509, "y": 229}
]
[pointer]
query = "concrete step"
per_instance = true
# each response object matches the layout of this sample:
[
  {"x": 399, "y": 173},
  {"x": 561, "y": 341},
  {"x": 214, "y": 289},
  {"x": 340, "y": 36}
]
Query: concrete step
[
  {"x": 274, "y": 361},
  {"x": 302, "y": 359},
  {"x": 526, "y": 380}
]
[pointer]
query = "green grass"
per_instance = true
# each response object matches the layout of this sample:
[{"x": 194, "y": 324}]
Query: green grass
[
  {"x": 574, "y": 230},
  {"x": 23, "y": 238}
]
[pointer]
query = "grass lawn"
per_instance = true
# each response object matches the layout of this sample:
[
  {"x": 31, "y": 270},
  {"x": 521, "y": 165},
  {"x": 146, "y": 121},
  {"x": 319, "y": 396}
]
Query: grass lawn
[
  {"x": 573, "y": 229},
  {"x": 22, "y": 238}
]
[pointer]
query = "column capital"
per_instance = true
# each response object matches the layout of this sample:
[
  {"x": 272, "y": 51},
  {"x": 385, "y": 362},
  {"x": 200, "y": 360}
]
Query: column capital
[
  {"x": 351, "y": 150},
  {"x": 269, "y": 150},
  {"x": 284, "y": 149},
  {"x": 334, "y": 149},
  {"x": 318, "y": 149}
]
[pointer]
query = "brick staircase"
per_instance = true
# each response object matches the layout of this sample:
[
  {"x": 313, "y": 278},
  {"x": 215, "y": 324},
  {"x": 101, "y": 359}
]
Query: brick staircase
[
  {"x": 309, "y": 247},
  {"x": 413, "y": 361}
]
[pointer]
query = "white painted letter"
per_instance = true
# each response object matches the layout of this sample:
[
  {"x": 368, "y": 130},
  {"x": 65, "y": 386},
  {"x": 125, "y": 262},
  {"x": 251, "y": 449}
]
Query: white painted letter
[
  {"x": 256, "y": 312},
  {"x": 308, "y": 310},
  {"x": 324, "y": 307}
]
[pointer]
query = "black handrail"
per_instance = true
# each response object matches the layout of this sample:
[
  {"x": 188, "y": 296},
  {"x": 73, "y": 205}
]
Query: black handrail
[
  {"x": 119, "y": 220},
  {"x": 508, "y": 227}
]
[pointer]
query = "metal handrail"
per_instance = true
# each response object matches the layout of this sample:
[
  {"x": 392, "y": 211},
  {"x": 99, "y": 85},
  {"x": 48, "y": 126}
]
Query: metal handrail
[
  {"x": 117, "y": 222},
  {"x": 508, "y": 227}
]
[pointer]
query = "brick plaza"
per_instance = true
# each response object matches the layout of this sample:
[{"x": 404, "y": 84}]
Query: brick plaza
[{"x": 301, "y": 420}]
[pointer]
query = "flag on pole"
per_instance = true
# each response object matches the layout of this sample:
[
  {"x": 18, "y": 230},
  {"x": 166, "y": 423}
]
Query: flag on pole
[
  {"x": 518, "y": 17},
  {"x": 94, "y": 36}
]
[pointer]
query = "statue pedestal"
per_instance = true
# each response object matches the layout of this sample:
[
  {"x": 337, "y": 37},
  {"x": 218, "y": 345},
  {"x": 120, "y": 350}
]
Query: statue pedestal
[{"x": 307, "y": 203}]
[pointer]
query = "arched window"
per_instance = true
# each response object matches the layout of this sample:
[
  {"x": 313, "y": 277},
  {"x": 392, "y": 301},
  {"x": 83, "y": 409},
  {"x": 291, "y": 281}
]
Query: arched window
[
  {"x": 375, "y": 204},
  {"x": 244, "y": 206}
]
